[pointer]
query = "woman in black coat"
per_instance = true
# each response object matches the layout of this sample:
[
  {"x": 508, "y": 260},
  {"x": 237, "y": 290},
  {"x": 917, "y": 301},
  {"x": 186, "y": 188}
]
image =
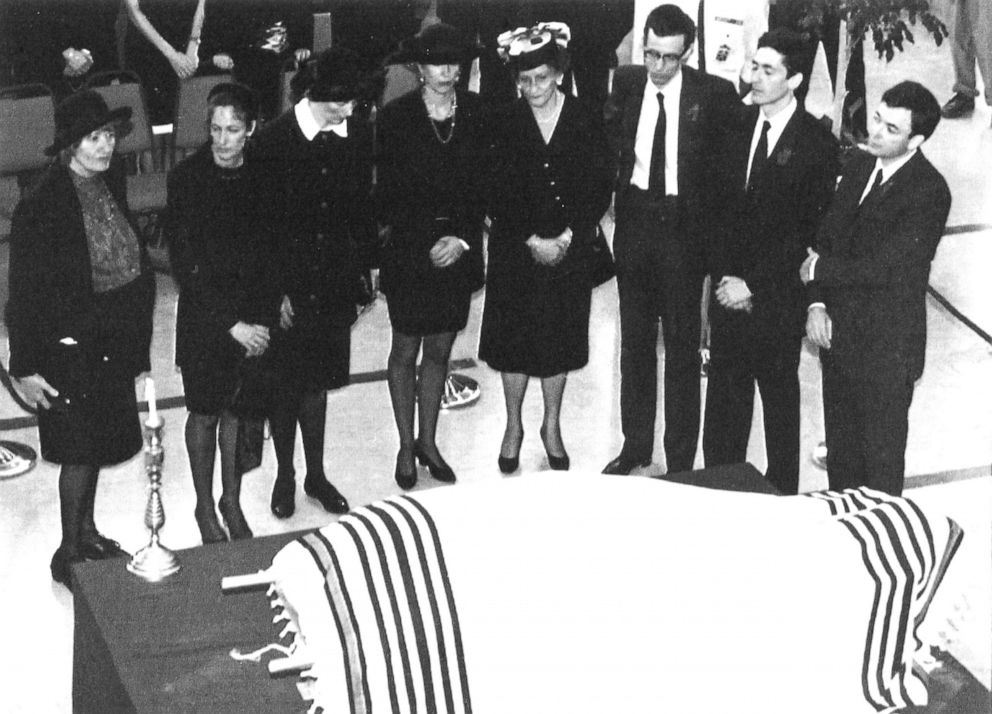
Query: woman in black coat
[
  {"x": 79, "y": 316},
  {"x": 433, "y": 146},
  {"x": 228, "y": 298},
  {"x": 316, "y": 160},
  {"x": 551, "y": 187}
]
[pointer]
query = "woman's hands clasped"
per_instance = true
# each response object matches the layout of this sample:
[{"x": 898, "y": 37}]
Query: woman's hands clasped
[
  {"x": 549, "y": 251},
  {"x": 254, "y": 338},
  {"x": 446, "y": 251}
]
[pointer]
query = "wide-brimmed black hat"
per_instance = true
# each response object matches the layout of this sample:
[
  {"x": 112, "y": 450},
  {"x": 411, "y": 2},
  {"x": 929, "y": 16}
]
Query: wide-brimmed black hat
[
  {"x": 436, "y": 44},
  {"x": 338, "y": 74},
  {"x": 80, "y": 113}
]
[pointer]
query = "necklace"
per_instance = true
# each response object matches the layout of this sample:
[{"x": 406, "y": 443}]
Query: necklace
[
  {"x": 451, "y": 116},
  {"x": 554, "y": 115}
]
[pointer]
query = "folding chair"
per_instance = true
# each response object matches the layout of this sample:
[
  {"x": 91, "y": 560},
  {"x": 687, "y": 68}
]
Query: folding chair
[{"x": 27, "y": 128}]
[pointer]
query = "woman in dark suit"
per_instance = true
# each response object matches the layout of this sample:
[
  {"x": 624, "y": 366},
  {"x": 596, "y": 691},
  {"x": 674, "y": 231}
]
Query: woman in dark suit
[
  {"x": 433, "y": 146},
  {"x": 551, "y": 188},
  {"x": 316, "y": 160},
  {"x": 79, "y": 316},
  {"x": 228, "y": 299}
]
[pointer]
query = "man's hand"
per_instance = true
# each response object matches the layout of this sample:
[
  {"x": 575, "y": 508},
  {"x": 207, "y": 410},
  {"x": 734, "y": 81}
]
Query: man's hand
[
  {"x": 547, "y": 251},
  {"x": 733, "y": 293},
  {"x": 446, "y": 251},
  {"x": 254, "y": 338},
  {"x": 806, "y": 268},
  {"x": 819, "y": 327},
  {"x": 223, "y": 61},
  {"x": 35, "y": 390},
  {"x": 77, "y": 62},
  {"x": 286, "y": 313},
  {"x": 301, "y": 55}
]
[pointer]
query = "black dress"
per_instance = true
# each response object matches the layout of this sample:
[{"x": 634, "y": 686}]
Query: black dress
[
  {"x": 430, "y": 184},
  {"x": 536, "y": 318},
  {"x": 317, "y": 205},
  {"x": 220, "y": 258},
  {"x": 89, "y": 345}
]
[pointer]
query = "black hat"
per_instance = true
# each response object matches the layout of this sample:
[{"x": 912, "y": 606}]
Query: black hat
[
  {"x": 436, "y": 44},
  {"x": 80, "y": 113},
  {"x": 338, "y": 74},
  {"x": 528, "y": 47}
]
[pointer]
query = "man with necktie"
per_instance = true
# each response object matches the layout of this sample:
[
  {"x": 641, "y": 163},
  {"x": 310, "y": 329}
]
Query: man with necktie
[
  {"x": 867, "y": 282},
  {"x": 667, "y": 124},
  {"x": 781, "y": 175}
]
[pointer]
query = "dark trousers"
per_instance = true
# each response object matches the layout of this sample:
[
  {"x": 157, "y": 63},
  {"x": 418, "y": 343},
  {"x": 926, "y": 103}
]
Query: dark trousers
[
  {"x": 730, "y": 402},
  {"x": 866, "y": 417},
  {"x": 659, "y": 274}
]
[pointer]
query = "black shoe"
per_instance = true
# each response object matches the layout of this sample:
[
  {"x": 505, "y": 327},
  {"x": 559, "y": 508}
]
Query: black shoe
[
  {"x": 210, "y": 528},
  {"x": 405, "y": 481},
  {"x": 623, "y": 464},
  {"x": 440, "y": 471},
  {"x": 283, "y": 503},
  {"x": 323, "y": 491},
  {"x": 508, "y": 464},
  {"x": 99, "y": 547},
  {"x": 62, "y": 567},
  {"x": 960, "y": 105},
  {"x": 234, "y": 519},
  {"x": 557, "y": 463}
]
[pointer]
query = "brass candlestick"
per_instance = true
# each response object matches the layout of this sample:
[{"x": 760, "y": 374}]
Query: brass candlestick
[{"x": 154, "y": 562}]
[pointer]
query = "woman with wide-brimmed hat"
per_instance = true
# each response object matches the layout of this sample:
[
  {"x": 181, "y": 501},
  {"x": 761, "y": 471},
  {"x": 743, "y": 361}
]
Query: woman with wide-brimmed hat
[
  {"x": 79, "y": 315},
  {"x": 316, "y": 163},
  {"x": 433, "y": 143}
]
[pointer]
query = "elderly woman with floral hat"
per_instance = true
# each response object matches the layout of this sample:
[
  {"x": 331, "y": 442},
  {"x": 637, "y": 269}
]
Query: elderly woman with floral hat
[
  {"x": 316, "y": 164},
  {"x": 79, "y": 316},
  {"x": 433, "y": 145},
  {"x": 551, "y": 187}
]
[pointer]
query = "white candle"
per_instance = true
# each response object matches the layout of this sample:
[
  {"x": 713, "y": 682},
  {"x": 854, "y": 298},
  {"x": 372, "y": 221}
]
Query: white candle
[{"x": 150, "y": 397}]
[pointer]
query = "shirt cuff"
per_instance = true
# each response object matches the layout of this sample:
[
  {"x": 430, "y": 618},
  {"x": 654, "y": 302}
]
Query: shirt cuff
[
  {"x": 465, "y": 245},
  {"x": 816, "y": 304},
  {"x": 812, "y": 268}
]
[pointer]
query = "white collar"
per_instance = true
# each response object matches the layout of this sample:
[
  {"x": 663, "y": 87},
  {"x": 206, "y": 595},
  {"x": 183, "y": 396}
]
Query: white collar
[
  {"x": 308, "y": 125},
  {"x": 887, "y": 171},
  {"x": 779, "y": 120}
]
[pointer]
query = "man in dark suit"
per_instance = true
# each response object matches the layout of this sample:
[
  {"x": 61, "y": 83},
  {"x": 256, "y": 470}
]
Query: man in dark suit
[
  {"x": 781, "y": 174},
  {"x": 867, "y": 287},
  {"x": 665, "y": 202}
]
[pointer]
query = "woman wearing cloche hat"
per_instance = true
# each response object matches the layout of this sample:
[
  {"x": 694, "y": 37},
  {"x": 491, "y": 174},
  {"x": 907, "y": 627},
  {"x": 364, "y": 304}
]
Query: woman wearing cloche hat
[
  {"x": 433, "y": 145},
  {"x": 316, "y": 164},
  {"x": 79, "y": 315}
]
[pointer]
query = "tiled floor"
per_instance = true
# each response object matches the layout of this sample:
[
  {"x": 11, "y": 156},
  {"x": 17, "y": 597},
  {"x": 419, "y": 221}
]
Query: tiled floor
[{"x": 951, "y": 429}]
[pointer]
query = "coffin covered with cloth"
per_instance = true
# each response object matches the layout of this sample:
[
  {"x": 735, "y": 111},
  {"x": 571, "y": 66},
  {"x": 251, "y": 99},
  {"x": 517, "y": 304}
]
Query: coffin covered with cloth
[{"x": 564, "y": 592}]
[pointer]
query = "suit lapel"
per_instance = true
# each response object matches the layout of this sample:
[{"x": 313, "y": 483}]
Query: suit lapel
[{"x": 689, "y": 102}]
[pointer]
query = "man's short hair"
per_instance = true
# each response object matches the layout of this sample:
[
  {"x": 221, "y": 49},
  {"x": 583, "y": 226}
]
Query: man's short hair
[
  {"x": 923, "y": 106},
  {"x": 668, "y": 20},
  {"x": 791, "y": 45}
]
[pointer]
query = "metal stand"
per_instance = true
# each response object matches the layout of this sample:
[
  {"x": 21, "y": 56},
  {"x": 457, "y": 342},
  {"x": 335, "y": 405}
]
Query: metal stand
[
  {"x": 459, "y": 391},
  {"x": 154, "y": 562},
  {"x": 16, "y": 459}
]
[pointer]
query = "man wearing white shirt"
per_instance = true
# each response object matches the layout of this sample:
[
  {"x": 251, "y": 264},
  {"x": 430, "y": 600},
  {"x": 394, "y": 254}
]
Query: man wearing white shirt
[
  {"x": 867, "y": 282},
  {"x": 667, "y": 124},
  {"x": 781, "y": 175}
]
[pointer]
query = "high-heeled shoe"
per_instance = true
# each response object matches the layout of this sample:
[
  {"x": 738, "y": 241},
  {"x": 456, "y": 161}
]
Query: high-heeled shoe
[
  {"x": 509, "y": 464},
  {"x": 61, "y": 567},
  {"x": 406, "y": 481},
  {"x": 210, "y": 528},
  {"x": 234, "y": 519},
  {"x": 320, "y": 488},
  {"x": 557, "y": 463},
  {"x": 96, "y": 546},
  {"x": 439, "y": 470}
]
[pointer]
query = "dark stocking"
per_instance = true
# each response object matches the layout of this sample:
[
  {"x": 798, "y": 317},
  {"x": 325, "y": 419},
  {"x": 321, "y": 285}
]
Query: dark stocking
[
  {"x": 430, "y": 388},
  {"x": 201, "y": 447},
  {"x": 283, "y": 424},
  {"x": 401, "y": 374},
  {"x": 77, "y": 490},
  {"x": 313, "y": 416}
]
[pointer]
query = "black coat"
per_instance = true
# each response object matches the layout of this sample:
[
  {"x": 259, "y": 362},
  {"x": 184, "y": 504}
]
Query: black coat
[
  {"x": 875, "y": 263},
  {"x": 220, "y": 257},
  {"x": 770, "y": 226},
  {"x": 427, "y": 189},
  {"x": 51, "y": 285}
]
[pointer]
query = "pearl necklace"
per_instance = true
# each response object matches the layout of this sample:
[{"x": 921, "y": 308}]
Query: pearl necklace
[
  {"x": 554, "y": 116},
  {"x": 451, "y": 115}
]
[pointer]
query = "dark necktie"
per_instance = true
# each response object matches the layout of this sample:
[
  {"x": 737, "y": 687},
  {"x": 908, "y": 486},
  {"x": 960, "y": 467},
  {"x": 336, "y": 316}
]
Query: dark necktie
[
  {"x": 874, "y": 187},
  {"x": 656, "y": 177},
  {"x": 760, "y": 155}
]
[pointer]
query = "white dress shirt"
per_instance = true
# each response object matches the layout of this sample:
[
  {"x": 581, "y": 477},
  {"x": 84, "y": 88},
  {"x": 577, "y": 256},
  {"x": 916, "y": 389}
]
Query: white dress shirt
[
  {"x": 777, "y": 126},
  {"x": 644, "y": 142}
]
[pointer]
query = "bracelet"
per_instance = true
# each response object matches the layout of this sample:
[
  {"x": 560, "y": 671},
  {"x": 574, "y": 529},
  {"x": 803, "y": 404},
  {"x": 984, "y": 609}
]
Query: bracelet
[{"x": 195, "y": 39}]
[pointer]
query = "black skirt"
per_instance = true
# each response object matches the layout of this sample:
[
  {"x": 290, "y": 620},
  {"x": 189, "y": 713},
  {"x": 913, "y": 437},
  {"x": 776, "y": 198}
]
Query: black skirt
[{"x": 315, "y": 353}]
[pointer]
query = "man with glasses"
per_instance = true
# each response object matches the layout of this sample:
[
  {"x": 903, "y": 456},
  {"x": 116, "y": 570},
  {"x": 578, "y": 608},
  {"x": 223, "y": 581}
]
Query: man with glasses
[{"x": 666, "y": 123}]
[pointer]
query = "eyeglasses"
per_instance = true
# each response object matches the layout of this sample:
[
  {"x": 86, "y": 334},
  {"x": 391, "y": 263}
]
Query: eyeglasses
[{"x": 654, "y": 57}]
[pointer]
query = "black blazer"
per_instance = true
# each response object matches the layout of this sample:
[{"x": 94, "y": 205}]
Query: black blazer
[
  {"x": 706, "y": 112},
  {"x": 768, "y": 228},
  {"x": 875, "y": 263},
  {"x": 51, "y": 283}
]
